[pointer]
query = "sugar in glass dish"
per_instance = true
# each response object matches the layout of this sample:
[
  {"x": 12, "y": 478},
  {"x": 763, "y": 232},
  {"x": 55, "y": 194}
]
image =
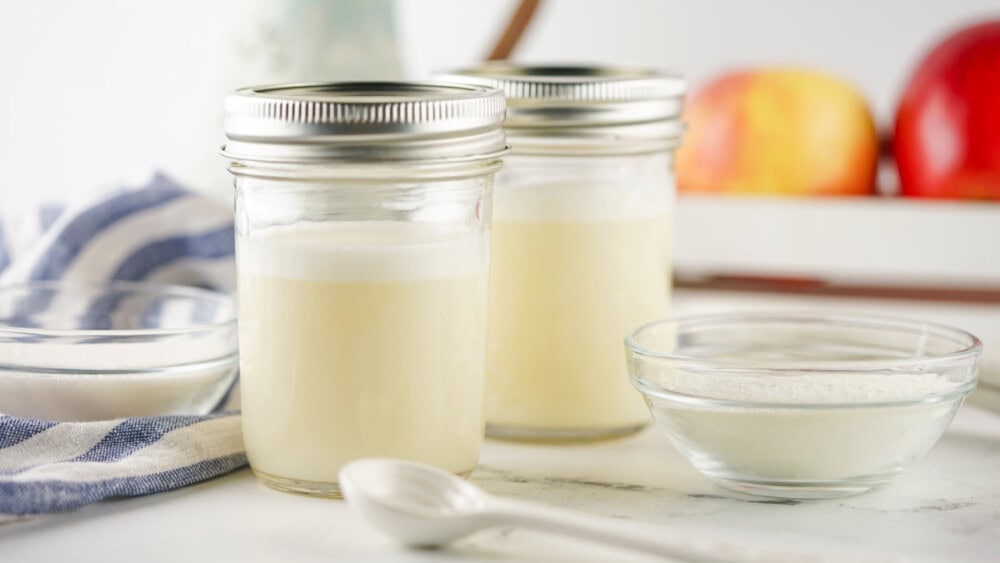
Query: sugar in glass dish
[
  {"x": 77, "y": 351},
  {"x": 802, "y": 405}
]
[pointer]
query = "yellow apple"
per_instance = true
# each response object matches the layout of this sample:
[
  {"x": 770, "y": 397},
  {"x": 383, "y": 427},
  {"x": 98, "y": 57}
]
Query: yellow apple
[{"x": 778, "y": 131}]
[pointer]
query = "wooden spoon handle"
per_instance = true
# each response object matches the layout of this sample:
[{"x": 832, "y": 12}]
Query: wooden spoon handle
[{"x": 515, "y": 28}]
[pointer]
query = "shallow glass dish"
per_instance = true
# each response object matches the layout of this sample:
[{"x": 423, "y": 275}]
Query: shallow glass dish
[
  {"x": 96, "y": 351},
  {"x": 802, "y": 405}
]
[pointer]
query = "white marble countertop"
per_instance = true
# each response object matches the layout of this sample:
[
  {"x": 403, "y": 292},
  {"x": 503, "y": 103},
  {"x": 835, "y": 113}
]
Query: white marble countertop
[{"x": 946, "y": 507}]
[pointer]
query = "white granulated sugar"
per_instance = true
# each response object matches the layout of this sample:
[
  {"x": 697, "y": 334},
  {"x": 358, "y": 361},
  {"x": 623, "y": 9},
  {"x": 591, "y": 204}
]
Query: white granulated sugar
[{"x": 809, "y": 388}]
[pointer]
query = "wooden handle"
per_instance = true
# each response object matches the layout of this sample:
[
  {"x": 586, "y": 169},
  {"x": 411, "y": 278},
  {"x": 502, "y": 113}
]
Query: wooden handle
[{"x": 515, "y": 28}]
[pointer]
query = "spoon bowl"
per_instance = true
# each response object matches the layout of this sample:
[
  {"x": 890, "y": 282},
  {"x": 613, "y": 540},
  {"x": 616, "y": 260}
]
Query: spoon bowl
[{"x": 417, "y": 504}]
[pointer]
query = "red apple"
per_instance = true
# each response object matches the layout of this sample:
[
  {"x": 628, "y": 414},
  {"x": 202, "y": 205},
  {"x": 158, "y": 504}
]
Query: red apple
[{"x": 947, "y": 141}]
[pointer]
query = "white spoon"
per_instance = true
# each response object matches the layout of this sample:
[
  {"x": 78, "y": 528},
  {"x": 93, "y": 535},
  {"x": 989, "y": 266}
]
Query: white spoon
[{"x": 424, "y": 506}]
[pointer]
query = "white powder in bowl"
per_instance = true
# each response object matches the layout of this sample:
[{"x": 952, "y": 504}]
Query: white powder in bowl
[
  {"x": 813, "y": 388},
  {"x": 799, "y": 404},
  {"x": 797, "y": 441},
  {"x": 187, "y": 374}
]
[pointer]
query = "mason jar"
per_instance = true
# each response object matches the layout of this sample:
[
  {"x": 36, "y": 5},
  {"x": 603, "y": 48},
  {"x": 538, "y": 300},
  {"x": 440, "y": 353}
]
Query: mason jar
[
  {"x": 362, "y": 229},
  {"x": 581, "y": 253}
]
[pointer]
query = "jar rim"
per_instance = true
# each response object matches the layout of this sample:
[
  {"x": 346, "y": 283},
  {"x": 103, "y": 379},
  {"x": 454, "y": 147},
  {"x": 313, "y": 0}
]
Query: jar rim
[
  {"x": 364, "y": 121},
  {"x": 565, "y": 98},
  {"x": 362, "y": 170}
]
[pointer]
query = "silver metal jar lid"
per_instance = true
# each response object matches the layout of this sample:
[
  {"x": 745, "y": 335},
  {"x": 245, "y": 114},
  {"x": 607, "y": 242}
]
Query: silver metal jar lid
[
  {"x": 580, "y": 107},
  {"x": 364, "y": 122}
]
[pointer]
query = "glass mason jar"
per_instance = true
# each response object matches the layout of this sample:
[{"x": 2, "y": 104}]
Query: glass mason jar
[
  {"x": 581, "y": 255},
  {"x": 362, "y": 229}
]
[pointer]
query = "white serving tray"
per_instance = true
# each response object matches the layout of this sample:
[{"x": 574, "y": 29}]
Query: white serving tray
[{"x": 851, "y": 241}]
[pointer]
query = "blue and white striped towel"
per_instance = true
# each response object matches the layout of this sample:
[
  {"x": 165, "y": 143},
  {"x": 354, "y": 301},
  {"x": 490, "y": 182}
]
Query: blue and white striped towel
[{"x": 157, "y": 232}]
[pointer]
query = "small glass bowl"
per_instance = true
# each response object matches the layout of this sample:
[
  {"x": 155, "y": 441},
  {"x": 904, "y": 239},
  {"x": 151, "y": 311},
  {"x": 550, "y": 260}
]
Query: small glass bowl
[
  {"x": 802, "y": 405},
  {"x": 96, "y": 351}
]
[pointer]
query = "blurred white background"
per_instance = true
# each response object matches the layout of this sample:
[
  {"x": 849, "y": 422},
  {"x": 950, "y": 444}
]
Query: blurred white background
[{"x": 99, "y": 92}]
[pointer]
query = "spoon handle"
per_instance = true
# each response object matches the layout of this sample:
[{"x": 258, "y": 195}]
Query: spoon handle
[{"x": 659, "y": 541}]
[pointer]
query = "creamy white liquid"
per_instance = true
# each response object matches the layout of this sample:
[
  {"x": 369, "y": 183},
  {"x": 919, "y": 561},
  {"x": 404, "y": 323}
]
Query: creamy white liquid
[
  {"x": 356, "y": 341},
  {"x": 573, "y": 272}
]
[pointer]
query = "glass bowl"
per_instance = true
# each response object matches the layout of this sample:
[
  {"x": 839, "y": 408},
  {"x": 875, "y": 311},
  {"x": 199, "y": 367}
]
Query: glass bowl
[
  {"x": 802, "y": 405},
  {"x": 96, "y": 351}
]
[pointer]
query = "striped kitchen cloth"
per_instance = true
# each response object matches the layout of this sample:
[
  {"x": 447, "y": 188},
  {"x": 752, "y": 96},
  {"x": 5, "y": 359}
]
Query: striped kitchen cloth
[{"x": 156, "y": 232}]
